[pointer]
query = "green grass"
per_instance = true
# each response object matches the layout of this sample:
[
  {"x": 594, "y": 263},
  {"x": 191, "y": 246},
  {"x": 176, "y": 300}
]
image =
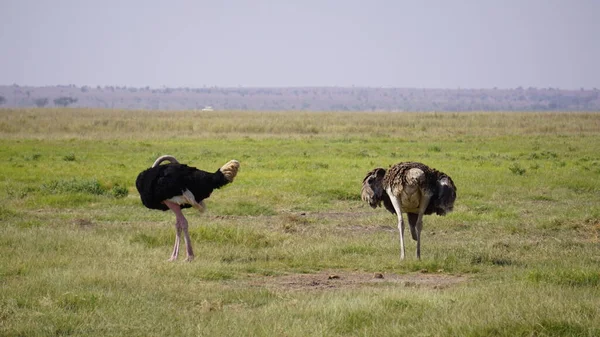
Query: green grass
[{"x": 80, "y": 255}]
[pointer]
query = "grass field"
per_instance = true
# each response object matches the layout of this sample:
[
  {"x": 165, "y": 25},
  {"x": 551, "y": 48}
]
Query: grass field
[{"x": 289, "y": 249}]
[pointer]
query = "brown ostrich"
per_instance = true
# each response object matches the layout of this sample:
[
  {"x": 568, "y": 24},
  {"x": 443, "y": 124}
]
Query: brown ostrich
[
  {"x": 175, "y": 186},
  {"x": 412, "y": 188}
]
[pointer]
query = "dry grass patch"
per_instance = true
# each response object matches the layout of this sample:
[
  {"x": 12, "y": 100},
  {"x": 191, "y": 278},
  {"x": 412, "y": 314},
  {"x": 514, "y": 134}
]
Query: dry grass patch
[{"x": 344, "y": 280}]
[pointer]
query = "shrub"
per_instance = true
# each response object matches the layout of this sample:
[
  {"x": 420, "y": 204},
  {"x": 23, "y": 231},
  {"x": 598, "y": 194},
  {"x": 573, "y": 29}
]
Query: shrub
[
  {"x": 435, "y": 148},
  {"x": 86, "y": 186},
  {"x": 119, "y": 191},
  {"x": 64, "y": 101},
  {"x": 517, "y": 169}
]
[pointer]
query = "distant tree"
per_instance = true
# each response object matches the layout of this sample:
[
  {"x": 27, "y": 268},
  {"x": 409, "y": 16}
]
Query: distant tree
[
  {"x": 2, "y": 100},
  {"x": 64, "y": 101},
  {"x": 41, "y": 102}
]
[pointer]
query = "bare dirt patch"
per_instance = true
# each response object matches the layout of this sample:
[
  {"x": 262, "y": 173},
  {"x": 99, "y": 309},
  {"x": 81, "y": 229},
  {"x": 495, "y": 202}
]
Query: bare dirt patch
[{"x": 326, "y": 280}]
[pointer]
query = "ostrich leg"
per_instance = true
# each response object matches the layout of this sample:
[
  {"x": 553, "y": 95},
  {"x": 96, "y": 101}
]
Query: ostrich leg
[
  {"x": 418, "y": 230},
  {"x": 398, "y": 209},
  {"x": 177, "y": 239},
  {"x": 188, "y": 242},
  {"x": 419, "y": 225},
  {"x": 181, "y": 224},
  {"x": 401, "y": 230}
]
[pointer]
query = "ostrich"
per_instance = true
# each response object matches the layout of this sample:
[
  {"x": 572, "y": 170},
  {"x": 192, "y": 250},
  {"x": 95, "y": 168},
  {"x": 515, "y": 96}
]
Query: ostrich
[
  {"x": 175, "y": 186},
  {"x": 412, "y": 188}
]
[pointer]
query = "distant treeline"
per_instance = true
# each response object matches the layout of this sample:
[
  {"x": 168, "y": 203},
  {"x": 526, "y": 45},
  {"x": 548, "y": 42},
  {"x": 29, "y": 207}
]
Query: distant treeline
[{"x": 303, "y": 98}]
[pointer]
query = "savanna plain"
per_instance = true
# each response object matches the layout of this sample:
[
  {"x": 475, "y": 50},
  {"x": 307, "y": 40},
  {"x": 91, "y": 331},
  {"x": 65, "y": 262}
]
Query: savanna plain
[{"x": 289, "y": 249}]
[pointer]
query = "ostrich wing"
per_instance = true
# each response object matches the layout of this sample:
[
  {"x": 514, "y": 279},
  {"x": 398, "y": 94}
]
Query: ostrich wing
[{"x": 162, "y": 182}]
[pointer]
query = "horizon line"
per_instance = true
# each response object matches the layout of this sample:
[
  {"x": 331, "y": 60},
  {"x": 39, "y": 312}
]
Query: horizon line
[{"x": 71, "y": 85}]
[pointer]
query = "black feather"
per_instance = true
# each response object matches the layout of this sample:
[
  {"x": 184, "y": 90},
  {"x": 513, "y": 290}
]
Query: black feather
[
  {"x": 387, "y": 203},
  {"x": 162, "y": 182},
  {"x": 412, "y": 224}
]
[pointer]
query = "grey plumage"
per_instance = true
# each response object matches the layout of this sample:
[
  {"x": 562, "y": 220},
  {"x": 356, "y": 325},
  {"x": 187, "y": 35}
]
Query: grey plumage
[{"x": 412, "y": 188}]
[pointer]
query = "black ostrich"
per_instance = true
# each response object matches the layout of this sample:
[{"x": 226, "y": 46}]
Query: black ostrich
[
  {"x": 175, "y": 186},
  {"x": 412, "y": 188}
]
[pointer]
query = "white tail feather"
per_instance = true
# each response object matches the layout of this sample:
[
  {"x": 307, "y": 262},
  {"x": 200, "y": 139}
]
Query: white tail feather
[{"x": 230, "y": 169}]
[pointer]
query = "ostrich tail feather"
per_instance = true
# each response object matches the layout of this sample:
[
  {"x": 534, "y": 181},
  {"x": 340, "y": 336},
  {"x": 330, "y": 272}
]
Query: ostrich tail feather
[{"x": 230, "y": 169}]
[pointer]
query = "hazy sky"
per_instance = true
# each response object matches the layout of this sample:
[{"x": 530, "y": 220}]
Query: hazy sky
[{"x": 230, "y": 43}]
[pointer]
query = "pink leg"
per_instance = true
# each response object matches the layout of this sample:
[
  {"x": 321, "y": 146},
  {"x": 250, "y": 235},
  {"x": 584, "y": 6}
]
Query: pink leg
[
  {"x": 188, "y": 241},
  {"x": 181, "y": 224},
  {"x": 177, "y": 239}
]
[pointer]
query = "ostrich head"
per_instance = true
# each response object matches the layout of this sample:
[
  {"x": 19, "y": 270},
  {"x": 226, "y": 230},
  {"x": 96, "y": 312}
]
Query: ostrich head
[
  {"x": 446, "y": 195},
  {"x": 230, "y": 169},
  {"x": 372, "y": 189}
]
